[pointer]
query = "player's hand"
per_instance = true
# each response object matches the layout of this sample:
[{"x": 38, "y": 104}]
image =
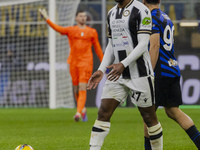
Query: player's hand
[
  {"x": 94, "y": 80},
  {"x": 116, "y": 71},
  {"x": 44, "y": 14}
]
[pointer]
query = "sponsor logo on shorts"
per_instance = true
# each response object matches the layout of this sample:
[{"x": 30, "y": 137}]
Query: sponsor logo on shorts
[{"x": 145, "y": 100}]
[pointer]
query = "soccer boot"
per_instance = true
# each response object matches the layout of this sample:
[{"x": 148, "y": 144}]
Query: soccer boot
[
  {"x": 84, "y": 115},
  {"x": 77, "y": 117}
]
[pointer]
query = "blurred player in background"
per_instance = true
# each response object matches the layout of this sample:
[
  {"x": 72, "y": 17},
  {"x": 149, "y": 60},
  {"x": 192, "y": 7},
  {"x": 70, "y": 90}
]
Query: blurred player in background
[
  {"x": 81, "y": 38},
  {"x": 167, "y": 72},
  {"x": 129, "y": 28}
]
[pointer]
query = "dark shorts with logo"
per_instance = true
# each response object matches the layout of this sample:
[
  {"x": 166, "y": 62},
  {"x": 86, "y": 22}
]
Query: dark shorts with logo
[{"x": 168, "y": 92}]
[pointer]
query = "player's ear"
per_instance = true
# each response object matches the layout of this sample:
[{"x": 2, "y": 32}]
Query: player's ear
[{"x": 76, "y": 18}]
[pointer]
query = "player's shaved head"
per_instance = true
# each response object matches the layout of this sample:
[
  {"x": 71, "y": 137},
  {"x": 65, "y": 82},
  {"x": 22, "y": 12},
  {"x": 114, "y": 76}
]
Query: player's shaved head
[
  {"x": 154, "y": 2},
  {"x": 119, "y": 1}
]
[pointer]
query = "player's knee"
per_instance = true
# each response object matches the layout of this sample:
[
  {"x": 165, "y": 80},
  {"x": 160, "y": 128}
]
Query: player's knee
[
  {"x": 82, "y": 86},
  {"x": 104, "y": 115},
  {"x": 149, "y": 115},
  {"x": 171, "y": 113},
  {"x": 150, "y": 120}
]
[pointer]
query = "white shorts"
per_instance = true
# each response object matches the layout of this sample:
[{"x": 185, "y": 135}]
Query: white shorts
[{"x": 141, "y": 90}]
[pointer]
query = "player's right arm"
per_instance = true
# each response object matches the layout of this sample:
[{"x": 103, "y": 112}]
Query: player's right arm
[
  {"x": 60, "y": 29},
  {"x": 108, "y": 57}
]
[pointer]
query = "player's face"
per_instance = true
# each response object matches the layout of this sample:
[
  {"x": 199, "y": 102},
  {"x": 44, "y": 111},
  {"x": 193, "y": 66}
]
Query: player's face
[{"x": 81, "y": 18}]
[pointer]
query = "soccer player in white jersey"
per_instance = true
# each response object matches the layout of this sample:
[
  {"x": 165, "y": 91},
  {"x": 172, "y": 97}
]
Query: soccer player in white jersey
[{"x": 129, "y": 28}]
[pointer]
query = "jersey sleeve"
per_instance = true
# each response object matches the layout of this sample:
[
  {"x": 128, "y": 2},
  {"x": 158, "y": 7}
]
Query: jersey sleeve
[
  {"x": 109, "y": 32},
  {"x": 108, "y": 57},
  {"x": 60, "y": 29},
  {"x": 155, "y": 25},
  {"x": 96, "y": 45},
  {"x": 144, "y": 21}
]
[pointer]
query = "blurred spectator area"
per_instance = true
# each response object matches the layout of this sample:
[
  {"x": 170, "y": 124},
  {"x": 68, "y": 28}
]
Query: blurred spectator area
[{"x": 186, "y": 18}]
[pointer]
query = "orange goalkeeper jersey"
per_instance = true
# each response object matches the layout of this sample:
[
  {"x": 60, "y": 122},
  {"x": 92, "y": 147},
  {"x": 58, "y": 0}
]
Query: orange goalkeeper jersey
[{"x": 80, "y": 41}]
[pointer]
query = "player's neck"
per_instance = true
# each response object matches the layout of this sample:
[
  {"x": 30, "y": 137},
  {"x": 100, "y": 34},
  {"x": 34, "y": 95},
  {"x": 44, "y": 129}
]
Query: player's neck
[
  {"x": 152, "y": 7},
  {"x": 81, "y": 26},
  {"x": 123, "y": 4}
]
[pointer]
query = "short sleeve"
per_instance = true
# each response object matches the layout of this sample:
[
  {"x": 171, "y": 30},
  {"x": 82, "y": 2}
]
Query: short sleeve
[
  {"x": 155, "y": 25},
  {"x": 109, "y": 32},
  {"x": 145, "y": 21}
]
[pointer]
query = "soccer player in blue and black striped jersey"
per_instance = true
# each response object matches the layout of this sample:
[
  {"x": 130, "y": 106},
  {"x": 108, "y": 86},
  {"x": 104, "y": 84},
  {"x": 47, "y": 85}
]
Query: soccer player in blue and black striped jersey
[{"x": 167, "y": 72}]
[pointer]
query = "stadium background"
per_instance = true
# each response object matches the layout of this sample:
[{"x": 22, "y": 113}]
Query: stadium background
[{"x": 31, "y": 91}]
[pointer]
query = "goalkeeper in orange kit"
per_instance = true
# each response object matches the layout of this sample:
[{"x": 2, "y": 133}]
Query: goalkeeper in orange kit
[{"x": 81, "y": 38}]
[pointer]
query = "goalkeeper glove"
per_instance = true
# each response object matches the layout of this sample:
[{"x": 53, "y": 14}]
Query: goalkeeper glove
[{"x": 44, "y": 14}]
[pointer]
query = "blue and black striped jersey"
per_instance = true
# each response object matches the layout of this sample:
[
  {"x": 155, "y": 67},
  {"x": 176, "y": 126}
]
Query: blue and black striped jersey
[{"x": 167, "y": 65}]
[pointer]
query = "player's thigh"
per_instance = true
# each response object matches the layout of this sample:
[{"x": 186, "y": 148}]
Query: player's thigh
[
  {"x": 142, "y": 91},
  {"x": 107, "y": 108},
  {"x": 84, "y": 74},
  {"x": 74, "y": 74},
  {"x": 172, "y": 112}
]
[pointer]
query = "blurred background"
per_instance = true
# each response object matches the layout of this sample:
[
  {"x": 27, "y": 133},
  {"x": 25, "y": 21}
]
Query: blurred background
[{"x": 24, "y": 50}]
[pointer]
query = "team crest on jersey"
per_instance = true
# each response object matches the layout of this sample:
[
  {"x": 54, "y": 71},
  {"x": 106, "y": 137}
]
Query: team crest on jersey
[
  {"x": 146, "y": 21},
  {"x": 126, "y": 13},
  {"x": 82, "y": 33}
]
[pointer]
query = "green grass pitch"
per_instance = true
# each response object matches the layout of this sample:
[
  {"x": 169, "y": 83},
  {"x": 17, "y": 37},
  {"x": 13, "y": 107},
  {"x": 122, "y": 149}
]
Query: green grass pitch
[{"x": 46, "y": 129}]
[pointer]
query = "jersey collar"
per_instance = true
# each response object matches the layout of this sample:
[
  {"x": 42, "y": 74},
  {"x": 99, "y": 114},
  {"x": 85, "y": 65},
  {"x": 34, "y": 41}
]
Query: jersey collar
[
  {"x": 155, "y": 9},
  {"x": 129, "y": 4}
]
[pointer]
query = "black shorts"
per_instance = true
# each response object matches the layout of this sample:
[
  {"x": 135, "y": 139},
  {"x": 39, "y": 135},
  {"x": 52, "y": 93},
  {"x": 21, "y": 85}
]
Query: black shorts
[{"x": 168, "y": 92}]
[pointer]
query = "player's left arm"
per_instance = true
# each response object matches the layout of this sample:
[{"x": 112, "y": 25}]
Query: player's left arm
[
  {"x": 144, "y": 29},
  {"x": 143, "y": 40},
  {"x": 154, "y": 41},
  {"x": 154, "y": 48},
  {"x": 117, "y": 69},
  {"x": 97, "y": 46}
]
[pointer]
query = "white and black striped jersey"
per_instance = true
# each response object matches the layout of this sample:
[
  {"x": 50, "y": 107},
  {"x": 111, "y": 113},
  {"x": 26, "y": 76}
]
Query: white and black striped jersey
[{"x": 124, "y": 25}]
